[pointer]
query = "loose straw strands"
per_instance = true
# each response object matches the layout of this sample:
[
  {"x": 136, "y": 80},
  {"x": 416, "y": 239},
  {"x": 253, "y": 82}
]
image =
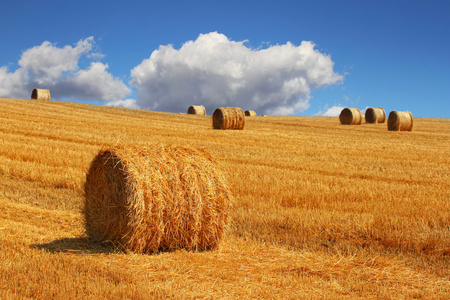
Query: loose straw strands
[
  {"x": 156, "y": 198},
  {"x": 375, "y": 115},
  {"x": 39, "y": 94},
  {"x": 229, "y": 118},
  {"x": 400, "y": 121},
  {"x": 350, "y": 116},
  {"x": 196, "y": 110}
]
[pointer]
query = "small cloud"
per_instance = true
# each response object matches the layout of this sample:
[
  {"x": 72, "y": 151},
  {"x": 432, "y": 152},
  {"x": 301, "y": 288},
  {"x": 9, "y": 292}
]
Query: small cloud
[
  {"x": 96, "y": 56},
  {"x": 363, "y": 111},
  {"x": 333, "y": 111},
  {"x": 127, "y": 103}
]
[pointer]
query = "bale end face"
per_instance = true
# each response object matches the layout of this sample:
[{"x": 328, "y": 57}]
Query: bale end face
[{"x": 156, "y": 199}]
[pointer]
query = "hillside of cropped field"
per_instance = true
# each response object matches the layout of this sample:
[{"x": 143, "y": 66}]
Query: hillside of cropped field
[{"x": 320, "y": 209}]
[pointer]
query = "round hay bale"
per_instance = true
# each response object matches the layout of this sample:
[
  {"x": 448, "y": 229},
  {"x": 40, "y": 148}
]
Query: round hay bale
[
  {"x": 375, "y": 115},
  {"x": 400, "y": 121},
  {"x": 196, "y": 110},
  {"x": 350, "y": 116},
  {"x": 250, "y": 113},
  {"x": 264, "y": 115},
  {"x": 229, "y": 118},
  {"x": 40, "y": 94},
  {"x": 156, "y": 199}
]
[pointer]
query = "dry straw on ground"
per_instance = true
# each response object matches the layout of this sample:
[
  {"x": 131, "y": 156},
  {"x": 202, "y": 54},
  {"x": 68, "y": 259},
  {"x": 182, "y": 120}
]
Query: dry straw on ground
[
  {"x": 196, "y": 110},
  {"x": 229, "y": 118},
  {"x": 156, "y": 199},
  {"x": 375, "y": 115},
  {"x": 350, "y": 116},
  {"x": 250, "y": 113},
  {"x": 40, "y": 94},
  {"x": 400, "y": 121}
]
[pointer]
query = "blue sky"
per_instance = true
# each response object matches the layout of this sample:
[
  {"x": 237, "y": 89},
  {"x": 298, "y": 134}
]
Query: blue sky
[{"x": 280, "y": 57}]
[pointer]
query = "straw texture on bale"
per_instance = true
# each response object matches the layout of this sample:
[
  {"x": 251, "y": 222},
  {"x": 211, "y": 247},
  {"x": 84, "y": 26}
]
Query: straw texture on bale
[
  {"x": 229, "y": 118},
  {"x": 40, "y": 94},
  {"x": 350, "y": 116},
  {"x": 250, "y": 113},
  {"x": 375, "y": 115},
  {"x": 196, "y": 110},
  {"x": 400, "y": 121},
  {"x": 155, "y": 199}
]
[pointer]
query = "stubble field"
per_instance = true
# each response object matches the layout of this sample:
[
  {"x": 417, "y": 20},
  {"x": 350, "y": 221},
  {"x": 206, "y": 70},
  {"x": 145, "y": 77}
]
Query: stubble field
[{"x": 321, "y": 210}]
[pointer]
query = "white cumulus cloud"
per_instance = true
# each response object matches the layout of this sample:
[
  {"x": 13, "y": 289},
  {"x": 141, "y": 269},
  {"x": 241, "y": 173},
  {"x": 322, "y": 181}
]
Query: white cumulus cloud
[
  {"x": 214, "y": 71},
  {"x": 56, "y": 68},
  {"x": 48, "y": 62}
]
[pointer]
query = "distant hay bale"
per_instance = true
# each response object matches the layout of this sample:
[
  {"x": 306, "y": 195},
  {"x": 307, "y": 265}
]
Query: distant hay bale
[
  {"x": 40, "y": 94},
  {"x": 350, "y": 116},
  {"x": 156, "y": 199},
  {"x": 229, "y": 118},
  {"x": 375, "y": 115},
  {"x": 400, "y": 121},
  {"x": 250, "y": 113},
  {"x": 264, "y": 115},
  {"x": 197, "y": 110}
]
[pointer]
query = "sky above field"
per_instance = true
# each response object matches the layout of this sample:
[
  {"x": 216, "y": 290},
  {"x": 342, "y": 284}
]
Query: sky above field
[{"x": 304, "y": 58}]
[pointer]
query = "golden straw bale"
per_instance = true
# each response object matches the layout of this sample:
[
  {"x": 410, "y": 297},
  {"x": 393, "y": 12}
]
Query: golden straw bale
[
  {"x": 350, "y": 116},
  {"x": 229, "y": 118},
  {"x": 197, "y": 110},
  {"x": 250, "y": 113},
  {"x": 264, "y": 115},
  {"x": 400, "y": 121},
  {"x": 375, "y": 115},
  {"x": 156, "y": 198},
  {"x": 40, "y": 94}
]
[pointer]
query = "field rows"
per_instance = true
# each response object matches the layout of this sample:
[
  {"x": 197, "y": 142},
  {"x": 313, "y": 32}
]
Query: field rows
[{"x": 320, "y": 208}]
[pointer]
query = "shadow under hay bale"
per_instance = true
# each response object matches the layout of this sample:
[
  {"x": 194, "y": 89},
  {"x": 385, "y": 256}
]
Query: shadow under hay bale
[
  {"x": 196, "y": 110},
  {"x": 39, "y": 94},
  {"x": 229, "y": 118},
  {"x": 250, "y": 113},
  {"x": 351, "y": 116},
  {"x": 156, "y": 199},
  {"x": 400, "y": 121},
  {"x": 375, "y": 115}
]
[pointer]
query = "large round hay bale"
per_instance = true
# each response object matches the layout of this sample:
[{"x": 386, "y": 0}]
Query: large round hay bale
[
  {"x": 197, "y": 110},
  {"x": 229, "y": 118},
  {"x": 350, "y": 116},
  {"x": 400, "y": 121},
  {"x": 250, "y": 113},
  {"x": 375, "y": 115},
  {"x": 156, "y": 199},
  {"x": 40, "y": 94}
]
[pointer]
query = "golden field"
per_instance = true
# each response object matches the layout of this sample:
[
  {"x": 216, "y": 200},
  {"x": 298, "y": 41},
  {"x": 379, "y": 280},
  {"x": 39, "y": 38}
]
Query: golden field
[{"x": 321, "y": 210}]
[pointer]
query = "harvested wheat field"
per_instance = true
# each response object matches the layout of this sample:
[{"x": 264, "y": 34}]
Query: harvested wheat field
[{"x": 320, "y": 210}]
